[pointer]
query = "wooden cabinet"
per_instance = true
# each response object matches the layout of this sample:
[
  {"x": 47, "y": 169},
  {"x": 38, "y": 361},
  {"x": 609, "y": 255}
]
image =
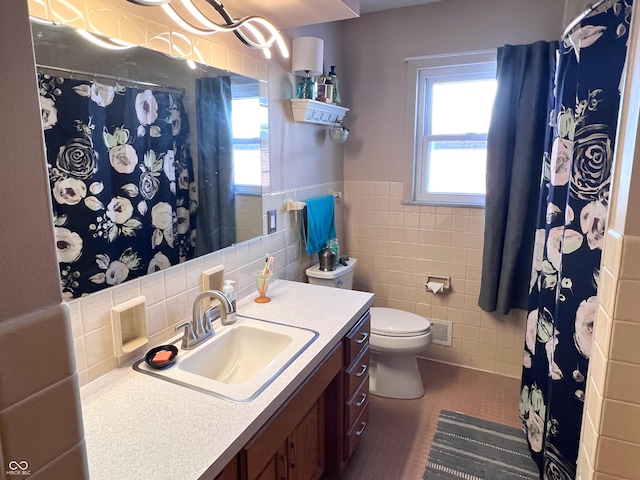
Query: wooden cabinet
[
  {"x": 358, "y": 338},
  {"x": 305, "y": 446},
  {"x": 291, "y": 445},
  {"x": 230, "y": 472},
  {"x": 350, "y": 399},
  {"x": 356, "y": 398},
  {"x": 301, "y": 456}
]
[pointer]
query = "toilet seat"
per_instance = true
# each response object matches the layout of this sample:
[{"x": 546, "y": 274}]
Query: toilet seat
[{"x": 389, "y": 322}]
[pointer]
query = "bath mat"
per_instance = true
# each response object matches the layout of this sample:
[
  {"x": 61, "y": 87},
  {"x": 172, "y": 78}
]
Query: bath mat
[{"x": 468, "y": 448}]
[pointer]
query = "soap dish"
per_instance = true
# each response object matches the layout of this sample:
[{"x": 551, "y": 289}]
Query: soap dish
[{"x": 152, "y": 353}]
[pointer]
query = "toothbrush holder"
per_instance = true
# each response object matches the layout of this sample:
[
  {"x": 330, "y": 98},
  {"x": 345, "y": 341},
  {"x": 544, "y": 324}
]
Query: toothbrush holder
[{"x": 262, "y": 283}]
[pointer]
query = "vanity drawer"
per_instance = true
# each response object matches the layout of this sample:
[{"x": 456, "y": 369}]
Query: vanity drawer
[
  {"x": 357, "y": 403},
  {"x": 357, "y": 338},
  {"x": 358, "y": 428},
  {"x": 357, "y": 372},
  {"x": 353, "y": 384}
]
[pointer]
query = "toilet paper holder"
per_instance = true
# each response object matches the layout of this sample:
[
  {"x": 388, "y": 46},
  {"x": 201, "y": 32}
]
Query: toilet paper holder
[{"x": 438, "y": 284}]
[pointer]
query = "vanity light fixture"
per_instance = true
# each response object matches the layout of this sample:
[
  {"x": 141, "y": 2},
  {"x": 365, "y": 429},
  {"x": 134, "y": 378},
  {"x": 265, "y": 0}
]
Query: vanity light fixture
[
  {"x": 104, "y": 42},
  {"x": 149, "y": 3},
  {"x": 254, "y": 31},
  {"x": 108, "y": 43},
  {"x": 41, "y": 21}
]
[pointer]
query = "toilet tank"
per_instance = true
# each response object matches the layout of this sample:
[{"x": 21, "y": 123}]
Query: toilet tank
[{"x": 341, "y": 277}]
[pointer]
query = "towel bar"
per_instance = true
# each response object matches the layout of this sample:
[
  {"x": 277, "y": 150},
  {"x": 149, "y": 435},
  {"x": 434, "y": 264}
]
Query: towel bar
[{"x": 293, "y": 205}]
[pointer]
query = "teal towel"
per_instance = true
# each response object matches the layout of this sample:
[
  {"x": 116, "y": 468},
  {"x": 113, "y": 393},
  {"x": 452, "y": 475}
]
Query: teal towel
[{"x": 320, "y": 225}]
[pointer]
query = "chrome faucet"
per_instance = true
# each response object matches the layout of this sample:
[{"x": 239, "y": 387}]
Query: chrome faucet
[{"x": 200, "y": 328}]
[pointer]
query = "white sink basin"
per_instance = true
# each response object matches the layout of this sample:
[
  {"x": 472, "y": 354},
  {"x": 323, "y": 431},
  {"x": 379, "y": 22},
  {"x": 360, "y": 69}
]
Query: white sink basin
[{"x": 239, "y": 362}]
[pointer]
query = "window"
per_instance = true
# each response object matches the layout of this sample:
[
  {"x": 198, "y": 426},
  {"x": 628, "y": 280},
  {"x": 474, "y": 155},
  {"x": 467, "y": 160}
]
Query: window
[
  {"x": 249, "y": 120},
  {"x": 454, "y": 98}
]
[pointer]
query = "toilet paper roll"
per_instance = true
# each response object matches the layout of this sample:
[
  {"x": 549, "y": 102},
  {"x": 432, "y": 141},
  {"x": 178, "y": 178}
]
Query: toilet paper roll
[{"x": 435, "y": 287}]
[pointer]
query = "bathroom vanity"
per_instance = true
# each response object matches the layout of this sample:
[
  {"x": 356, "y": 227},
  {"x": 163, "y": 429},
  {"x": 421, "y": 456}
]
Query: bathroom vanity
[{"x": 306, "y": 422}]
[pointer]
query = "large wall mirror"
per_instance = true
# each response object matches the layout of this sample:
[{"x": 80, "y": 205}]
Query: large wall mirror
[{"x": 152, "y": 160}]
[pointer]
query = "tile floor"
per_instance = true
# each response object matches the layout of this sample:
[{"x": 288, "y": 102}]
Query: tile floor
[{"x": 396, "y": 443}]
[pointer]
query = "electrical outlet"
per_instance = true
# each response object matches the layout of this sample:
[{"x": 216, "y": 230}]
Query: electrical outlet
[{"x": 271, "y": 221}]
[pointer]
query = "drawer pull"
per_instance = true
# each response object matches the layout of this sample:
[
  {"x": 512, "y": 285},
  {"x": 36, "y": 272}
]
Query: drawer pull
[
  {"x": 361, "y": 402},
  {"x": 365, "y": 335},
  {"x": 359, "y": 432},
  {"x": 361, "y": 372}
]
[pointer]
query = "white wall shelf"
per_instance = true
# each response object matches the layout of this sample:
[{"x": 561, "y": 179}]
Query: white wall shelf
[{"x": 312, "y": 111}]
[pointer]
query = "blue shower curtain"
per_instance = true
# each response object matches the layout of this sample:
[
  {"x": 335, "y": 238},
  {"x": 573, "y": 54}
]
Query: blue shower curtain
[
  {"x": 515, "y": 145},
  {"x": 216, "y": 186},
  {"x": 571, "y": 226}
]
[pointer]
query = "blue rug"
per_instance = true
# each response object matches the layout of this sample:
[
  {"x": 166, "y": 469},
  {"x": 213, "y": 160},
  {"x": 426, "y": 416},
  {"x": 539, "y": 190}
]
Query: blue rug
[{"x": 467, "y": 448}]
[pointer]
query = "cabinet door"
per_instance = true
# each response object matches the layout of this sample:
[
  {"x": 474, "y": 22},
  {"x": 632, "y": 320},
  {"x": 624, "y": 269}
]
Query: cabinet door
[
  {"x": 230, "y": 472},
  {"x": 306, "y": 446},
  {"x": 276, "y": 469},
  {"x": 299, "y": 426}
]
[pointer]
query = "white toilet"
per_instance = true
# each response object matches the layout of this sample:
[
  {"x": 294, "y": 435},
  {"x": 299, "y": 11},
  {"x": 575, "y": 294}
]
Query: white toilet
[{"x": 396, "y": 337}]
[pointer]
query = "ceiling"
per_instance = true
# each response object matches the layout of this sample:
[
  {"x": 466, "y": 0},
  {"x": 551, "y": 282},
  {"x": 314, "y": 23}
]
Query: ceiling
[
  {"x": 368, "y": 6},
  {"x": 295, "y": 13}
]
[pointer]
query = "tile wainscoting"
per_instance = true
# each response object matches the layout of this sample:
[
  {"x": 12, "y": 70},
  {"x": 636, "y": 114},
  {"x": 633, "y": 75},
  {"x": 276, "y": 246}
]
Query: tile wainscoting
[
  {"x": 397, "y": 246},
  {"x": 610, "y": 443}
]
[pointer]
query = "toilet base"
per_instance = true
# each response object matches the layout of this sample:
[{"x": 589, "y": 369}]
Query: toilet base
[{"x": 395, "y": 376}]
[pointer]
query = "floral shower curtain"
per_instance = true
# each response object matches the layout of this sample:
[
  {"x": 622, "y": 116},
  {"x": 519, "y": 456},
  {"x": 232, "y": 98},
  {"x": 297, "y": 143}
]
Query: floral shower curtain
[
  {"x": 570, "y": 233},
  {"x": 123, "y": 193}
]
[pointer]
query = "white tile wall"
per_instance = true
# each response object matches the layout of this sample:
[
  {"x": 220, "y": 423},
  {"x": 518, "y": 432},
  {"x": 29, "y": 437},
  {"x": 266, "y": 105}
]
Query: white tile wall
[{"x": 611, "y": 430}]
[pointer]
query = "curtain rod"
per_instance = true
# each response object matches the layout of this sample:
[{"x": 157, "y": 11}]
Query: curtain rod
[
  {"x": 585, "y": 13},
  {"x": 110, "y": 77}
]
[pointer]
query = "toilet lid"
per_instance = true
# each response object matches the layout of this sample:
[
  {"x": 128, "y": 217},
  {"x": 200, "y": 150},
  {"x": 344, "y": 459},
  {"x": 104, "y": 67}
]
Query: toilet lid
[{"x": 391, "y": 322}]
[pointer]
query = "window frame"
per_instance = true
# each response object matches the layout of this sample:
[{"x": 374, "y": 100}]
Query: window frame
[
  {"x": 424, "y": 71},
  {"x": 241, "y": 91}
]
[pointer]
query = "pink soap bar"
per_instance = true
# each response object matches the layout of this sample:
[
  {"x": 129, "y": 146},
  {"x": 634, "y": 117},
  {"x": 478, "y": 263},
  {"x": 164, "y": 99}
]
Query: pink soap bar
[{"x": 162, "y": 356}]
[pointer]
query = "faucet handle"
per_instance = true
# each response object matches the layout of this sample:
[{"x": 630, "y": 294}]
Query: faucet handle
[
  {"x": 210, "y": 315},
  {"x": 189, "y": 337}
]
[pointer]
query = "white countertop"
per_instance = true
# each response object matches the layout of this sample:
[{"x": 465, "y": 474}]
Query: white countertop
[{"x": 139, "y": 427}]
